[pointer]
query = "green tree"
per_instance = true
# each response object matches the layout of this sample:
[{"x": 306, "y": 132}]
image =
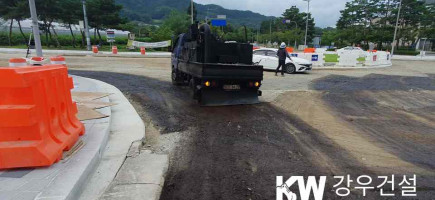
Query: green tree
[
  {"x": 104, "y": 14},
  {"x": 72, "y": 13},
  {"x": 364, "y": 21},
  {"x": 47, "y": 14},
  {"x": 288, "y": 32},
  {"x": 17, "y": 10},
  {"x": 177, "y": 22}
]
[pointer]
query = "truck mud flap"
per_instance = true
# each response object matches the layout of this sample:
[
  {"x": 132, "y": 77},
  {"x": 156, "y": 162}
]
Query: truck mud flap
[{"x": 225, "y": 98}]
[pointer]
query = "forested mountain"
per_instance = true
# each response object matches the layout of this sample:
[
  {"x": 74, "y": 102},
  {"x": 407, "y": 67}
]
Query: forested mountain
[{"x": 153, "y": 11}]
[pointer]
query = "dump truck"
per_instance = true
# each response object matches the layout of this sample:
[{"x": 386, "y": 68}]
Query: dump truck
[{"x": 217, "y": 72}]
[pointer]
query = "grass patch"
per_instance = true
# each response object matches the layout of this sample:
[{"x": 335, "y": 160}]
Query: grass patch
[{"x": 331, "y": 58}]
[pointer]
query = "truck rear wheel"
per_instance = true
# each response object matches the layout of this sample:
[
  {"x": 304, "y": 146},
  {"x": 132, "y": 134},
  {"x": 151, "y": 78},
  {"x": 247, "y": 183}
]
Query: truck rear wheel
[{"x": 176, "y": 77}]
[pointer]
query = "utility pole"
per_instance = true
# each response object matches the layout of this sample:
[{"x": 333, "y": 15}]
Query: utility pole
[
  {"x": 88, "y": 38},
  {"x": 35, "y": 27},
  {"x": 395, "y": 30},
  {"x": 258, "y": 32},
  {"x": 191, "y": 10},
  {"x": 270, "y": 31},
  {"x": 295, "y": 31},
  {"x": 306, "y": 26}
]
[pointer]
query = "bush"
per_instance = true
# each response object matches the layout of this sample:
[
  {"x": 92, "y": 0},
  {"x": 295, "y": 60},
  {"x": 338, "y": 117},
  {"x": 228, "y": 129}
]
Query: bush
[
  {"x": 17, "y": 39},
  {"x": 406, "y": 52}
]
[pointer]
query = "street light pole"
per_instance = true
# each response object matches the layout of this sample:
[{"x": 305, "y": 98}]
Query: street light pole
[
  {"x": 295, "y": 38},
  {"x": 191, "y": 9},
  {"x": 306, "y": 26},
  {"x": 35, "y": 27},
  {"x": 270, "y": 33},
  {"x": 395, "y": 30},
  {"x": 88, "y": 38}
]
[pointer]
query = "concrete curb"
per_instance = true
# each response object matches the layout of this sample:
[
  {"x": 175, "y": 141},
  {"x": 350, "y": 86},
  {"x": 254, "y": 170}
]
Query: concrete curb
[
  {"x": 413, "y": 58},
  {"x": 126, "y": 128},
  {"x": 351, "y": 68}
]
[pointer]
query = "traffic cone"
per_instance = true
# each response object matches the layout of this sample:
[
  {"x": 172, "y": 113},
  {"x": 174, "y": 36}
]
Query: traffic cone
[
  {"x": 58, "y": 60},
  {"x": 36, "y": 61},
  {"x": 17, "y": 62},
  {"x": 95, "y": 49}
]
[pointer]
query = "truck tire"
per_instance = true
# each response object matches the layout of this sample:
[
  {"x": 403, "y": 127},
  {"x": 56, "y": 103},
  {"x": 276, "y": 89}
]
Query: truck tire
[
  {"x": 176, "y": 77},
  {"x": 290, "y": 68}
]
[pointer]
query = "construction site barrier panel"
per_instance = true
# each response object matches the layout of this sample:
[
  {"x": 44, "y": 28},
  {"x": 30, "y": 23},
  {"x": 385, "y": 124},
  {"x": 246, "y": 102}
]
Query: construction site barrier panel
[
  {"x": 347, "y": 59},
  {"x": 37, "y": 116}
]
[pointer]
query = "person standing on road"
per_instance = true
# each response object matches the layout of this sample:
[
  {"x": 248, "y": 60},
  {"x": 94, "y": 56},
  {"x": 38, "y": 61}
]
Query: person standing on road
[{"x": 282, "y": 56}]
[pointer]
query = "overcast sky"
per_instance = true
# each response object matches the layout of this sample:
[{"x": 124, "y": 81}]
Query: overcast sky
[{"x": 325, "y": 12}]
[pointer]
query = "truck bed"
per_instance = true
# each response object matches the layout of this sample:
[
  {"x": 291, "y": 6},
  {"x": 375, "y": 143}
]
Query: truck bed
[{"x": 222, "y": 71}]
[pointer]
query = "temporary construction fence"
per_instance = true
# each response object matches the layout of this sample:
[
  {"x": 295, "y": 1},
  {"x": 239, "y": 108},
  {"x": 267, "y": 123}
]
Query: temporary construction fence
[
  {"x": 37, "y": 115},
  {"x": 347, "y": 59}
]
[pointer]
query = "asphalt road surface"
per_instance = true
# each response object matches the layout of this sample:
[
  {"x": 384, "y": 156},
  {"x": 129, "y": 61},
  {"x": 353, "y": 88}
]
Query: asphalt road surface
[{"x": 374, "y": 122}]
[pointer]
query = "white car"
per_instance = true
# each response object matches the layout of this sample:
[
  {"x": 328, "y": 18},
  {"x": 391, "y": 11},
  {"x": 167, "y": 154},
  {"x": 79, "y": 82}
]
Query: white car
[
  {"x": 268, "y": 58},
  {"x": 350, "y": 49}
]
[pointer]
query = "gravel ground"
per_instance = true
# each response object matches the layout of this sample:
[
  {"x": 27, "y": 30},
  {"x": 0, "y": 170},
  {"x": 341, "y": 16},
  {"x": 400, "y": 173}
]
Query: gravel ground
[{"x": 362, "y": 122}]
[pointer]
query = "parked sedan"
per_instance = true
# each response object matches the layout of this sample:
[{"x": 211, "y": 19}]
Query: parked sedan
[
  {"x": 268, "y": 58},
  {"x": 350, "y": 49}
]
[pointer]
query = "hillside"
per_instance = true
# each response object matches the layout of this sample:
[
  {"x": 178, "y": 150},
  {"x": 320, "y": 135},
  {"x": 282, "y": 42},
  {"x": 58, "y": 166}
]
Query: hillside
[{"x": 153, "y": 11}]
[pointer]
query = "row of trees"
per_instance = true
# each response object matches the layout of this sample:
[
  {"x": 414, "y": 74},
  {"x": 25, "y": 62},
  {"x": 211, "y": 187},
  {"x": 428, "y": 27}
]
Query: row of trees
[
  {"x": 102, "y": 14},
  {"x": 365, "y": 21},
  {"x": 275, "y": 30}
]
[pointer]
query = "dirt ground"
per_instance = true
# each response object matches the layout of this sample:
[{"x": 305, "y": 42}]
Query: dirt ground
[{"x": 374, "y": 122}]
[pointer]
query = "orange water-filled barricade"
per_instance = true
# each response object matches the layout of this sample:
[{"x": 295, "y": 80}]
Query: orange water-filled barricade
[{"x": 37, "y": 116}]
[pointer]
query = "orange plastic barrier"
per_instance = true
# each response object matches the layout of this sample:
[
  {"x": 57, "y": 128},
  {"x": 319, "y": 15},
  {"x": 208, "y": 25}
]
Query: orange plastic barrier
[
  {"x": 142, "y": 50},
  {"x": 95, "y": 49},
  {"x": 17, "y": 62},
  {"x": 310, "y": 50},
  {"x": 114, "y": 50},
  {"x": 289, "y": 49},
  {"x": 58, "y": 60},
  {"x": 38, "y": 61},
  {"x": 37, "y": 116}
]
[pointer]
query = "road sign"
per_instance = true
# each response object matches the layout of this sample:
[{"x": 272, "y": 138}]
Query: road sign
[
  {"x": 218, "y": 22},
  {"x": 286, "y": 21},
  {"x": 110, "y": 36},
  {"x": 222, "y": 17},
  {"x": 315, "y": 58},
  {"x": 82, "y": 25}
]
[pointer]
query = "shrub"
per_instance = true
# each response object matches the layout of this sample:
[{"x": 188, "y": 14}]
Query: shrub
[{"x": 406, "y": 52}]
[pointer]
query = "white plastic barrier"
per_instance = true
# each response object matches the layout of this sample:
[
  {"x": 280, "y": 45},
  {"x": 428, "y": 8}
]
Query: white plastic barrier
[
  {"x": 384, "y": 58},
  {"x": 316, "y": 58},
  {"x": 348, "y": 59},
  {"x": 372, "y": 59}
]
